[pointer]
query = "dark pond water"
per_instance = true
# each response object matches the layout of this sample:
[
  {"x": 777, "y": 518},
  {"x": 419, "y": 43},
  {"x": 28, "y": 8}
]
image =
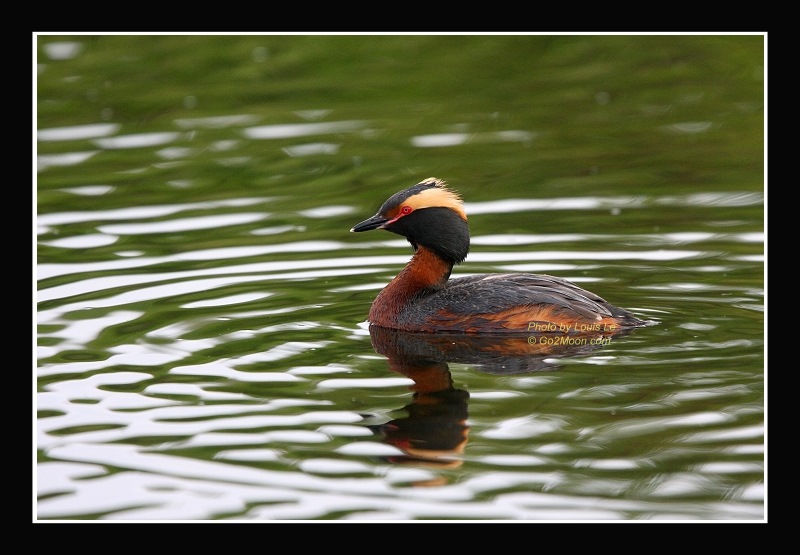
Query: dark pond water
[{"x": 203, "y": 351}]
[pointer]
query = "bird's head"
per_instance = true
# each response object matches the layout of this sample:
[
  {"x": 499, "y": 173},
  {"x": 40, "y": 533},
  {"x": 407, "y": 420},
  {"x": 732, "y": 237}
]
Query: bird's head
[{"x": 427, "y": 214}]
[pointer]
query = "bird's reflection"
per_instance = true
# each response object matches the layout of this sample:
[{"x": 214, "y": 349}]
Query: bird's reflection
[{"x": 434, "y": 428}]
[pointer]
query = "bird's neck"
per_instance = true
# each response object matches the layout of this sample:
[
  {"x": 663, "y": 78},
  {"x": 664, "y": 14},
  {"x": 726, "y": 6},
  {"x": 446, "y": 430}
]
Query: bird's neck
[{"x": 425, "y": 271}]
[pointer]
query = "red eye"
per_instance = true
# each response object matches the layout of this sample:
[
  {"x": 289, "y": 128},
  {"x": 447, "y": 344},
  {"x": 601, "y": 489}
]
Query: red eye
[{"x": 406, "y": 210}]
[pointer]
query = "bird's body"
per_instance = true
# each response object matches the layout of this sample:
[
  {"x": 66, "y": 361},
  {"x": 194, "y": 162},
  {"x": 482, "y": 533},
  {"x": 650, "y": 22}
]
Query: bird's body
[{"x": 423, "y": 298}]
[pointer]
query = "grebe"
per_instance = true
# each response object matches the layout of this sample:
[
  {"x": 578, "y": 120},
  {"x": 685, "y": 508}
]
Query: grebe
[{"x": 423, "y": 298}]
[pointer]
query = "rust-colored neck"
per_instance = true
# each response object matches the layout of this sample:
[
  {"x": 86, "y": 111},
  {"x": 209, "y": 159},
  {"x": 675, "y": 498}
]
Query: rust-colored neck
[{"x": 425, "y": 270}]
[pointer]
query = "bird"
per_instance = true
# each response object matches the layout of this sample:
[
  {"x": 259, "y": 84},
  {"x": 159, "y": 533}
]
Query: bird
[{"x": 423, "y": 297}]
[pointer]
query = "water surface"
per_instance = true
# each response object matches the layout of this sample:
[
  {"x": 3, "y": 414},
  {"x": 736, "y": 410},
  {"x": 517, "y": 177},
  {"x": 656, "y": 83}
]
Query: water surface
[{"x": 202, "y": 346}]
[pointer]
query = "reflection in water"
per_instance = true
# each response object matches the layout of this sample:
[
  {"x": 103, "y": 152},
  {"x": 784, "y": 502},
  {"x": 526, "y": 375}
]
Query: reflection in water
[{"x": 434, "y": 430}]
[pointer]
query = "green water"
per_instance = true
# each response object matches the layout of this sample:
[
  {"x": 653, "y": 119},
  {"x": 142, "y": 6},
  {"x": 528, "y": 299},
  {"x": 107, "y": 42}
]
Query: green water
[{"x": 201, "y": 303}]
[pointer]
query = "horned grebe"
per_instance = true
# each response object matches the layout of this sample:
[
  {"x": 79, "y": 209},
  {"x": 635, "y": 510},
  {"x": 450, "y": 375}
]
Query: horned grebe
[{"x": 423, "y": 298}]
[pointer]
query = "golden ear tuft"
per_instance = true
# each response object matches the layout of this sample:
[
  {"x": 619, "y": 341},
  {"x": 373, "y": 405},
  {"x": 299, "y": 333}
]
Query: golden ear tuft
[
  {"x": 435, "y": 181},
  {"x": 439, "y": 196}
]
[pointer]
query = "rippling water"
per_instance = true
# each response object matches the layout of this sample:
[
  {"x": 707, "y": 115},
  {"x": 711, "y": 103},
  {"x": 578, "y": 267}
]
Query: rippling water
[{"x": 202, "y": 346}]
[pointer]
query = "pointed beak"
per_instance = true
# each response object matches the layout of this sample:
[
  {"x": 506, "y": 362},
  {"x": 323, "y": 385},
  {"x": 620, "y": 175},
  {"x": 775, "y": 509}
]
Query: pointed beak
[{"x": 375, "y": 222}]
